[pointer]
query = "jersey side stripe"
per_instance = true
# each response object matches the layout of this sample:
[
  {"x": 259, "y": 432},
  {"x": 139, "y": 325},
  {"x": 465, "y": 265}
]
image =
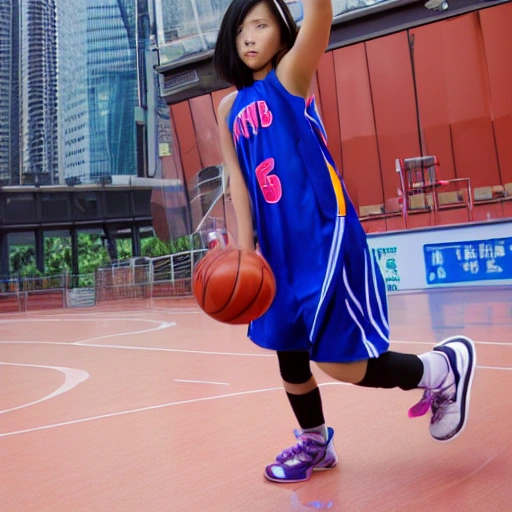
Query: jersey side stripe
[{"x": 331, "y": 265}]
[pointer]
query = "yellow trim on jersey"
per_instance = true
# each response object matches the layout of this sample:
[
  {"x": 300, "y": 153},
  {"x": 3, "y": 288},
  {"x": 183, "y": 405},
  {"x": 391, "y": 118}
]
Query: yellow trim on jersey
[{"x": 338, "y": 191}]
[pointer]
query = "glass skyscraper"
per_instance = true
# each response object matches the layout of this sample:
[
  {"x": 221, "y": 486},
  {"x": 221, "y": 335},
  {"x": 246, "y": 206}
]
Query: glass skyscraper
[
  {"x": 98, "y": 88},
  {"x": 74, "y": 135},
  {"x": 38, "y": 92},
  {"x": 112, "y": 85},
  {"x": 9, "y": 93},
  {"x": 68, "y": 90}
]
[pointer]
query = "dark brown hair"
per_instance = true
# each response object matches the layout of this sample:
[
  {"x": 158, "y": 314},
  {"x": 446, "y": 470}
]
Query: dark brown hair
[{"x": 228, "y": 65}]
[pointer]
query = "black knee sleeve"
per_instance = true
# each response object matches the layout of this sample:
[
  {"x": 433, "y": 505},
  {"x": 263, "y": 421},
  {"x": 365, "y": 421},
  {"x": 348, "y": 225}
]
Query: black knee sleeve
[
  {"x": 392, "y": 370},
  {"x": 294, "y": 366}
]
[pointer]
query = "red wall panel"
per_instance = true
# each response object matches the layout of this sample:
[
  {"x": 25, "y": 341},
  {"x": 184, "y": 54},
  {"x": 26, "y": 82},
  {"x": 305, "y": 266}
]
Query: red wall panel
[
  {"x": 475, "y": 151},
  {"x": 431, "y": 80},
  {"x": 503, "y": 135},
  {"x": 328, "y": 101},
  {"x": 507, "y": 209},
  {"x": 206, "y": 130},
  {"x": 453, "y": 88},
  {"x": 187, "y": 143},
  {"x": 488, "y": 211},
  {"x": 357, "y": 125},
  {"x": 329, "y": 105},
  {"x": 394, "y": 104},
  {"x": 438, "y": 142},
  {"x": 496, "y": 26},
  {"x": 432, "y": 92}
]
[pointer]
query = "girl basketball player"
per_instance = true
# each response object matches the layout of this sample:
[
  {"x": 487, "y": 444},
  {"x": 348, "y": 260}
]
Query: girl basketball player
[{"x": 330, "y": 306}]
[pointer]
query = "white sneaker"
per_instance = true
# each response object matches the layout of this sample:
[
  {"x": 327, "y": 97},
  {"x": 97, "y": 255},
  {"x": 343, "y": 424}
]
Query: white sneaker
[{"x": 450, "y": 402}]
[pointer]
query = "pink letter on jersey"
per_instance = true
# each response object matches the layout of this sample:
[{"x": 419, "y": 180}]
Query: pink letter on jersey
[
  {"x": 248, "y": 117},
  {"x": 265, "y": 114},
  {"x": 270, "y": 185}
]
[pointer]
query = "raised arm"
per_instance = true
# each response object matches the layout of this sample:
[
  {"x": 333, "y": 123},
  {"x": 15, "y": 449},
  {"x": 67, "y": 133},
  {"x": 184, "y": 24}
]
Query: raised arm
[
  {"x": 239, "y": 193},
  {"x": 297, "y": 67}
]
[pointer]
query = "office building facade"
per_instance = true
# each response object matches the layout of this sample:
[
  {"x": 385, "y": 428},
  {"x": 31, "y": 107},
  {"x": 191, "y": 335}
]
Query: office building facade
[
  {"x": 39, "y": 151},
  {"x": 9, "y": 93}
]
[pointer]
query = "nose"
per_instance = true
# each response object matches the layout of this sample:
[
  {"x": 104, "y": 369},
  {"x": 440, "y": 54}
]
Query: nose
[{"x": 248, "y": 37}]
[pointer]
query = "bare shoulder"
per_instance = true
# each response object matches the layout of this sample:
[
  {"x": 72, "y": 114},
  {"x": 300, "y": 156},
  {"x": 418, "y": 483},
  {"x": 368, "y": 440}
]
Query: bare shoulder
[{"x": 226, "y": 103}]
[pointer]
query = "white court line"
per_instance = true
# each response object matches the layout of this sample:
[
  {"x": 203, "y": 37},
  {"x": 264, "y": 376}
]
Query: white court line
[
  {"x": 72, "y": 377},
  {"x": 494, "y": 368},
  {"x": 155, "y": 407},
  {"x": 132, "y": 411},
  {"x": 163, "y": 325},
  {"x": 84, "y": 343},
  {"x": 82, "y": 319},
  {"x": 186, "y": 351},
  {"x": 134, "y": 347},
  {"x": 202, "y": 382}
]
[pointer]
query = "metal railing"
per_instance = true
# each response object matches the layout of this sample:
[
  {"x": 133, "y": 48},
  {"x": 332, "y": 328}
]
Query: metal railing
[{"x": 163, "y": 276}]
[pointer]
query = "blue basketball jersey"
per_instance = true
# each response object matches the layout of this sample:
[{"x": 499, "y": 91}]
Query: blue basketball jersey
[{"x": 330, "y": 295}]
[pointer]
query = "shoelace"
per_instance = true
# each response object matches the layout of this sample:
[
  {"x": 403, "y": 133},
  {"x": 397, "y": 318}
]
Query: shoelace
[
  {"x": 300, "y": 450},
  {"x": 432, "y": 400}
]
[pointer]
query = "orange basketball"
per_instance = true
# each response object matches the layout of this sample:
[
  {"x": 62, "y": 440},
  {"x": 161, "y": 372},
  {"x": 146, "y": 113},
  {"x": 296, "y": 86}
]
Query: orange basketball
[{"x": 233, "y": 286}]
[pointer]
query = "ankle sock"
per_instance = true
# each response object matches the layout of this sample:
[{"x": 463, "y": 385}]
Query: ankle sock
[
  {"x": 435, "y": 370},
  {"x": 321, "y": 429}
]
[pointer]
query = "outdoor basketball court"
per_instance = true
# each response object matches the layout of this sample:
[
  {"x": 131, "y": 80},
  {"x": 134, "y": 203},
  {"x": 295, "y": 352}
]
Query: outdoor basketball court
[{"x": 152, "y": 406}]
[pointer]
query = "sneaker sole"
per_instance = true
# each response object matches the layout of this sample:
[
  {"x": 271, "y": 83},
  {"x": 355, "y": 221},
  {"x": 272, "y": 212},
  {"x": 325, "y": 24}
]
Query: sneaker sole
[
  {"x": 309, "y": 474},
  {"x": 465, "y": 395}
]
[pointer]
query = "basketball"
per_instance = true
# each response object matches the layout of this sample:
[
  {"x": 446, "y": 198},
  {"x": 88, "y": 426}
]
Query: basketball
[{"x": 233, "y": 286}]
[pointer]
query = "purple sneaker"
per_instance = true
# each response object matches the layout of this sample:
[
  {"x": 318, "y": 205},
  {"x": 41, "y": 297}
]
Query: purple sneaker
[
  {"x": 450, "y": 402},
  {"x": 297, "y": 463}
]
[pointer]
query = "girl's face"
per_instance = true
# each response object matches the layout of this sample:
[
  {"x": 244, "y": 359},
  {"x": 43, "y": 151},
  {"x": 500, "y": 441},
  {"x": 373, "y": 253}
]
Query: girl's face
[{"x": 258, "y": 40}]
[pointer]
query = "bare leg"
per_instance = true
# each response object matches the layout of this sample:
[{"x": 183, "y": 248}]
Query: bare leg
[{"x": 345, "y": 372}]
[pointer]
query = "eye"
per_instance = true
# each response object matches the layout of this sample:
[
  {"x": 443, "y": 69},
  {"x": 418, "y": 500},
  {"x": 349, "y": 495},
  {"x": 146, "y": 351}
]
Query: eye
[
  {"x": 239, "y": 31},
  {"x": 262, "y": 25}
]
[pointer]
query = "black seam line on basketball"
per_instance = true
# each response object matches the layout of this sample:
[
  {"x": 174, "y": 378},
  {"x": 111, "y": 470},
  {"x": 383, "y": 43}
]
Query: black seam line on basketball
[
  {"x": 253, "y": 300},
  {"x": 203, "y": 278},
  {"x": 234, "y": 286},
  {"x": 205, "y": 281}
]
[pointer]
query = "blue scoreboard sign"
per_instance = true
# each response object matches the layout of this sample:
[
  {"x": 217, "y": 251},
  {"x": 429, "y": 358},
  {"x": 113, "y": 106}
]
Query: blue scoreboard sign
[{"x": 460, "y": 262}]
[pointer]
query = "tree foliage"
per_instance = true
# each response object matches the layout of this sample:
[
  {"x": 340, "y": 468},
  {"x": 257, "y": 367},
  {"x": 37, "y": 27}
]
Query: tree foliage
[{"x": 92, "y": 253}]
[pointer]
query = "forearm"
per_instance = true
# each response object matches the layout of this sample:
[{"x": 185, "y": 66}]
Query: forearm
[
  {"x": 239, "y": 193},
  {"x": 242, "y": 207},
  {"x": 317, "y": 6}
]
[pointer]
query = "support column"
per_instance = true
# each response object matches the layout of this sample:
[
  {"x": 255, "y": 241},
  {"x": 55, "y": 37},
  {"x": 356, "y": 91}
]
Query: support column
[
  {"x": 111, "y": 243},
  {"x": 4, "y": 255},
  {"x": 75, "y": 269},
  {"x": 136, "y": 249},
  {"x": 39, "y": 234}
]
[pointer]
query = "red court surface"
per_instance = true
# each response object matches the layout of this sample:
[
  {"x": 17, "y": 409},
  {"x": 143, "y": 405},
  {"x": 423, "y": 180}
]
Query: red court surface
[{"x": 152, "y": 406}]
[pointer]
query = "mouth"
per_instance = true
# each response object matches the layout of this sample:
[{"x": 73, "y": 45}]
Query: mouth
[{"x": 251, "y": 54}]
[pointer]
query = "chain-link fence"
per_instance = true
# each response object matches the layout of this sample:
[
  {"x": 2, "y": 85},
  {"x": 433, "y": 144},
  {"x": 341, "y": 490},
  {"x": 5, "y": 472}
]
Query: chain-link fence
[{"x": 164, "y": 276}]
